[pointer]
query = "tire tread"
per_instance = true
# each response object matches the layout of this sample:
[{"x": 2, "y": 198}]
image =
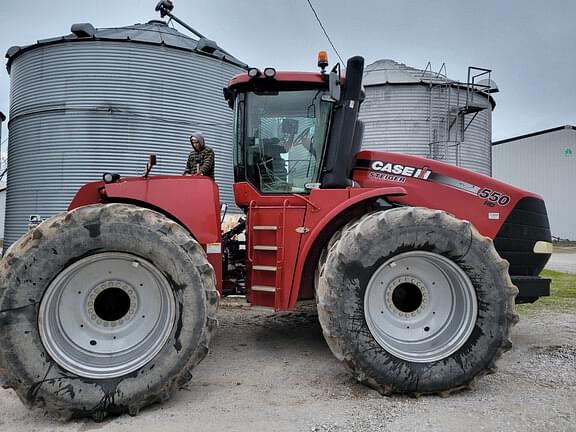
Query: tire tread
[{"x": 358, "y": 232}]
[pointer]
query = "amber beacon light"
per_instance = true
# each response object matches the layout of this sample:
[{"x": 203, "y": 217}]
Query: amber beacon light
[{"x": 322, "y": 60}]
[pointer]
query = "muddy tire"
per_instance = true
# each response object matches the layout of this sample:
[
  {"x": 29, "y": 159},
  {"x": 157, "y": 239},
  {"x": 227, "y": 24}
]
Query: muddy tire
[
  {"x": 104, "y": 310},
  {"x": 415, "y": 301}
]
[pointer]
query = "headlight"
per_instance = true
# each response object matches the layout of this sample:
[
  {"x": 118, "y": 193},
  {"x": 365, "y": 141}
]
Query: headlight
[
  {"x": 110, "y": 177},
  {"x": 253, "y": 72},
  {"x": 542, "y": 247},
  {"x": 269, "y": 72}
]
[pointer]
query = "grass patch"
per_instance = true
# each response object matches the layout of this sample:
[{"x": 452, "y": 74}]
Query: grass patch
[{"x": 562, "y": 295}]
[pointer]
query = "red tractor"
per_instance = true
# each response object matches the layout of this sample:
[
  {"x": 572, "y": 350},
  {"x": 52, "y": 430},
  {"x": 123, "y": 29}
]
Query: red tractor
[{"x": 414, "y": 263}]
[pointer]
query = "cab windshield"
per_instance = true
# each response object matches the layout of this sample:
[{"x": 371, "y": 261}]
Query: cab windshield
[{"x": 284, "y": 136}]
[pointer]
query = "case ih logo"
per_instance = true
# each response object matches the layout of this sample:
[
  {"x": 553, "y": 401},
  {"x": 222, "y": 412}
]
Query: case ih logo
[{"x": 403, "y": 170}]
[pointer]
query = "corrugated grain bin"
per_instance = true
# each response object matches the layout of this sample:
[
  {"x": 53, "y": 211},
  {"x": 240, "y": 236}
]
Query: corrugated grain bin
[{"x": 101, "y": 100}]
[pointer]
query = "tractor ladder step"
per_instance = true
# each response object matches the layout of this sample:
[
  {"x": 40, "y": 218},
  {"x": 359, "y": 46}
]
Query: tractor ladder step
[
  {"x": 264, "y": 268},
  {"x": 264, "y": 288},
  {"x": 265, "y": 248},
  {"x": 265, "y": 228}
]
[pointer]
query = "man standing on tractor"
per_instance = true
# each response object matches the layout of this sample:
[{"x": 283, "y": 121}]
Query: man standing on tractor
[{"x": 201, "y": 158}]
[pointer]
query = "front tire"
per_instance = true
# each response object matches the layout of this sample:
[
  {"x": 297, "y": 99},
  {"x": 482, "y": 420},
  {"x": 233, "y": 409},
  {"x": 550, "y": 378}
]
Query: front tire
[
  {"x": 104, "y": 310},
  {"x": 415, "y": 301}
]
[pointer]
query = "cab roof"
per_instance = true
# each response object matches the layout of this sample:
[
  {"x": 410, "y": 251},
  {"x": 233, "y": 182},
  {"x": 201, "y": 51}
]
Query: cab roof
[{"x": 313, "y": 79}]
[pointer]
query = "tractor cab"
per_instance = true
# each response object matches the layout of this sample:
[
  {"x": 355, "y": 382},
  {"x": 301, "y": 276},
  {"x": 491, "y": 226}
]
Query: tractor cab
[
  {"x": 283, "y": 140},
  {"x": 280, "y": 139}
]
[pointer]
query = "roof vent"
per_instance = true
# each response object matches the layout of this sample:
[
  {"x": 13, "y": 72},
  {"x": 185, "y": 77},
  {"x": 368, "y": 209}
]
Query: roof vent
[
  {"x": 206, "y": 45},
  {"x": 83, "y": 30},
  {"x": 158, "y": 22}
]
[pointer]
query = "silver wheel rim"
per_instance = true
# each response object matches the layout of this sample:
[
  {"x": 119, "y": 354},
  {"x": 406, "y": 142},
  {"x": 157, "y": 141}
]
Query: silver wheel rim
[
  {"x": 420, "y": 306},
  {"x": 106, "y": 315}
]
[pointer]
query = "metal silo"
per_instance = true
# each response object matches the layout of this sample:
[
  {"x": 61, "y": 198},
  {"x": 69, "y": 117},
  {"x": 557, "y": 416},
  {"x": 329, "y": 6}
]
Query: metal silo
[
  {"x": 424, "y": 113},
  {"x": 103, "y": 99}
]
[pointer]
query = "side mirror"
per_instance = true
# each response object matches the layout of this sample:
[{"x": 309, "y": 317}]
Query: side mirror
[
  {"x": 334, "y": 83},
  {"x": 150, "y": 164}
]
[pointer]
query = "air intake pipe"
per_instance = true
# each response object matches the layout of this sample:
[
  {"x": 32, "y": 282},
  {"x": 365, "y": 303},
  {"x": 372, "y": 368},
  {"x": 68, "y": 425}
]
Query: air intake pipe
[{"x": 341, "y": 149}]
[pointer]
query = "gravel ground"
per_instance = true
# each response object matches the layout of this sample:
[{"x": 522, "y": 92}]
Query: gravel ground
[
  {"x": 274, "y": 372},
  {"x": 563, "y": 260}
]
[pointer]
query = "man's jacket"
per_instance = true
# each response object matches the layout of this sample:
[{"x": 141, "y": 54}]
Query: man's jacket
[{"x": 201, "y": 162}]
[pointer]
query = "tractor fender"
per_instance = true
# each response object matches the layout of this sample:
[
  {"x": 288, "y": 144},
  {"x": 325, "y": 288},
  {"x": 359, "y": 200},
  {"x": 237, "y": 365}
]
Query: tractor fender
[
  {"x": 193, "y": 202},
  {"x": 328, "y": 225}
]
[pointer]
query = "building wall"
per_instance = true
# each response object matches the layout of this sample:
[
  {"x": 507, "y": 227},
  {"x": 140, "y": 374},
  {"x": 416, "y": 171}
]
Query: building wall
[{"x": 544, "y": 163}]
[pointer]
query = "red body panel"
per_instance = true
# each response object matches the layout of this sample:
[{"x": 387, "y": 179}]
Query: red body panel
[
  {"x": 192, "y": 201},
  {"x": 482, "y": 200},
  {"x": 330, "y": 203}
]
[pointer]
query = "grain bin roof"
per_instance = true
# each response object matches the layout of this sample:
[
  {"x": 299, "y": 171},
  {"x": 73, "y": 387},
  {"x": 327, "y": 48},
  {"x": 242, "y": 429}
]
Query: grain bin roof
[
  {"x": 390, "y": 72},
  {"x": 387, "y": 71},
  {"x": 154, "y": 32}
]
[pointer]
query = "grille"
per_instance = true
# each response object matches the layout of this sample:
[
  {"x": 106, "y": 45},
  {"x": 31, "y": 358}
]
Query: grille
[{"x": 527, "y": 224}]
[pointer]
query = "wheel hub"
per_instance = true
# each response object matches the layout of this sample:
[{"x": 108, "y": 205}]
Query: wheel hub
[
  {"x": 420, "y": 306},
  {"x": 112, "y": 303},
  {"x": 106, "y": 315},
  {"x": 406, "y": 296}
]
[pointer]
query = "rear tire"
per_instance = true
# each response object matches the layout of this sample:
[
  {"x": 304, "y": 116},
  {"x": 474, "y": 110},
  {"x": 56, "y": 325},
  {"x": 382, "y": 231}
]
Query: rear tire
[
  {"x": 415, "y": 301},
  {"x": 104, "y": 310}
]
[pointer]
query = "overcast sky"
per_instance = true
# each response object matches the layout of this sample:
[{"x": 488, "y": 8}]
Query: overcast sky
[{"x": 529, "y": 44}]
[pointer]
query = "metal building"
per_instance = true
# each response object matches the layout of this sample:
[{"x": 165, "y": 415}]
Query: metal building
[
  {"x": 102, "y": 100},
  {"x": 543, "y": 162},
  {"x": 425, "y": 113}
]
